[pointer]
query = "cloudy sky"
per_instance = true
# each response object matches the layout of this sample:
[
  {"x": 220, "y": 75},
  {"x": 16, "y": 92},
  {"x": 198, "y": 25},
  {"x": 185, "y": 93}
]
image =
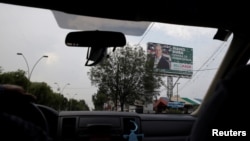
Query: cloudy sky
[{"x": 35, "y": 32}]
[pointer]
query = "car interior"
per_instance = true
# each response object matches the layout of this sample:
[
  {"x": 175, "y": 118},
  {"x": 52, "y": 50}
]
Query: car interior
[{"x": 224, "y": 108}]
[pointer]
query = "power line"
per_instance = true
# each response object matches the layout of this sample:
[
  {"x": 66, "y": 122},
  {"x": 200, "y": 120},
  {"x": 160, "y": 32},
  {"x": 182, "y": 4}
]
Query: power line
[
  {"x": 77, "y": 88},
  {"x": 164, "y": 89},
  {"x": 206, "y": 69},
  {"x": 146, "y": 33},
  {"x": 200, "y": 68}
]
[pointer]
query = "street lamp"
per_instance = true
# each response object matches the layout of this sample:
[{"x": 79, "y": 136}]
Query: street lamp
[
  {"x": 30, "y": 73},
  {"x": 70, "y": 107},
  {"x": 61, "y": 92},
  {"x": 59, "y": 88},
  {"x": 64, "y": 87}
]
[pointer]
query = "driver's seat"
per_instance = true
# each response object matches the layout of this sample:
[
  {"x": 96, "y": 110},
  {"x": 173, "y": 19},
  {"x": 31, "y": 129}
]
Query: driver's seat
[{"x": 227, "y": 111}]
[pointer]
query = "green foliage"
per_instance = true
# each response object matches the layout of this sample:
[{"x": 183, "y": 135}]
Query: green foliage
[
  {"x": 45, "y": 96},
  {"x": 42, "y": 91},
  {"x": 57, "y": 101},
  {"x": 80, "y": 105},
  {"x": 98, "y": 100},
  {"x": 84, "y": 105},
  {"x": 124, "y": 77},
  {"x": 1, "y": 69},
  {"x": 15, "y": 77}
]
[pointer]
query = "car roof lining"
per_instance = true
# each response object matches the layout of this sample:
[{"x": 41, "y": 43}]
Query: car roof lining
[{"x": 191, "y": 12}]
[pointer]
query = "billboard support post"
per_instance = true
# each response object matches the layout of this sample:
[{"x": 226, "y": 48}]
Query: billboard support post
[{"x": 169, "y": 87}]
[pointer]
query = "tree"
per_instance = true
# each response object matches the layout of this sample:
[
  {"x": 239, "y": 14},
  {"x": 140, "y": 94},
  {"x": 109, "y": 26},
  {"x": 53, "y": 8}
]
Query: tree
[
  {"x": 1, "y": 69},
  {"x": 43, "y": 93},
  {"x": 46, "y": 96},
  {"x": 84, "y": 105},
  {"x": 16, "y": 78},
  {"x": 58, "y": 101},
  {"x": 151, "y": 82},
  {"x": 99, "y": 99},
  {"x": 124, "y": 76},
  {"x": 75, "y": 105}
]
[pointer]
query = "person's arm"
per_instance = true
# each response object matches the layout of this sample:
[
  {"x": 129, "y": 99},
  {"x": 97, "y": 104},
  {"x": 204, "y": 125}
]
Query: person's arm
[
  {"x": 14, "y": 127},
  {"x": 12, "y": 124}
]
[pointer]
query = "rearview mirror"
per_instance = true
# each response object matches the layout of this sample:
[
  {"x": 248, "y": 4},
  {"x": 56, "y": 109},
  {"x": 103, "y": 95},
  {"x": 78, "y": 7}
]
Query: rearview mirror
[{"x": 97, "y": 43}]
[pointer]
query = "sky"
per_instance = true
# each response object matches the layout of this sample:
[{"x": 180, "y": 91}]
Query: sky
[{"x": 35, "y": 32}]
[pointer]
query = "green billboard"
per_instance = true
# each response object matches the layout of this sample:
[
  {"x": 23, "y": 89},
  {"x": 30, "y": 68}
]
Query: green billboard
[{"x": 170, "y": 59}]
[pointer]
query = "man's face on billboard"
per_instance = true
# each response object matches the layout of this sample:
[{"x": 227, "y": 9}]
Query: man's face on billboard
[{"x": 158, "y": 51}]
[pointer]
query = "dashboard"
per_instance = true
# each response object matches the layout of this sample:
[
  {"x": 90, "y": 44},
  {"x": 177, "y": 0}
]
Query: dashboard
[
  {"x": 116, "y": 126},
  {"x": 98, "y": 126}
]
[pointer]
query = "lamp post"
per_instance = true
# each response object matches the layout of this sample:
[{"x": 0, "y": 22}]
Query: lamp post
[
  {"x": 30, "y": 72},
  {"x": 59, "y": 88},
  {"x": 61, "y": 91},
  {"x": 71, "y": 99},
  {"x": 64, "y": 87}
]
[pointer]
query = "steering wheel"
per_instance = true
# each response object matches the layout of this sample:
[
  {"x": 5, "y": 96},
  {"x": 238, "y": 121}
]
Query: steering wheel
[{"x": 27, "y": 111}]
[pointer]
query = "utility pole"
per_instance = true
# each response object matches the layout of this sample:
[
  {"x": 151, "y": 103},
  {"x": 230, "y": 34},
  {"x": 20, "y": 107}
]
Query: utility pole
[{"x": 177, "y": 90}]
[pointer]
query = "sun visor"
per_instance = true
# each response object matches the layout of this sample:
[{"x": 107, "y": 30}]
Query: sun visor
[{"x": 85, "y": 23}]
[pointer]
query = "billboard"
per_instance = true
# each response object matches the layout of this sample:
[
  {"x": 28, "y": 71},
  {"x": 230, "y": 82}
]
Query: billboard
[{"x": 169, "y": 59}]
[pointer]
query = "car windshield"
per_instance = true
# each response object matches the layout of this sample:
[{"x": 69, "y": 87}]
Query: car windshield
[{"x": 35, "y": 56}]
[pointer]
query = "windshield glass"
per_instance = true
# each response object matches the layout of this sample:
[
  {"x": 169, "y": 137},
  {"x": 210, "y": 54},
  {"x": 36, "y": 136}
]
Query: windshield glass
[{"x": 34, "y": 55}]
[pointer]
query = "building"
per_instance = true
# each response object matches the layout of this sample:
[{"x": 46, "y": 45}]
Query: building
[{"x": 183, "y": 104}]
